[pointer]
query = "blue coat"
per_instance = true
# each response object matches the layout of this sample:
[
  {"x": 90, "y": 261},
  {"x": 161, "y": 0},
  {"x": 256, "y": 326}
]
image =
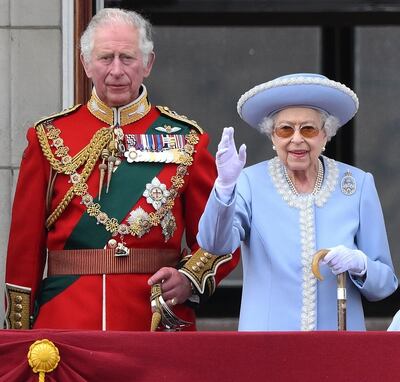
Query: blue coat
[{"x": 280, "y": 232}]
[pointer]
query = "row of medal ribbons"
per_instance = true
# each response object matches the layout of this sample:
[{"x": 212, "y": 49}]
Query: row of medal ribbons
[{"x": 154, "y": 148}]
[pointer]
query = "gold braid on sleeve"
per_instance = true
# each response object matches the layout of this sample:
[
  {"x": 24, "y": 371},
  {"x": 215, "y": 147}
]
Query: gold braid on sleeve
[
  {"x": 201, "y": 268},
  {"x": 18, "y": 307}
]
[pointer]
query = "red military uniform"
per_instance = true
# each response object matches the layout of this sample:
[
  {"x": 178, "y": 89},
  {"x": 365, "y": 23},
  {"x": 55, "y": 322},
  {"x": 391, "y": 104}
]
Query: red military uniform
[{"x": 155, "y": 199}]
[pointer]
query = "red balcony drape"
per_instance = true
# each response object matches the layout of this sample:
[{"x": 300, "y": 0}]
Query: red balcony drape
[{"x": 206, "y": 356}]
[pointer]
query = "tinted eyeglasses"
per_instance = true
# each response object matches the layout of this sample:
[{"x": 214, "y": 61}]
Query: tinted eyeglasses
[{"x": 286, "y": 131}]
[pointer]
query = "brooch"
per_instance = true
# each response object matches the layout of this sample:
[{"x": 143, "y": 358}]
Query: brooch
[{"x": 348, "y": 184}]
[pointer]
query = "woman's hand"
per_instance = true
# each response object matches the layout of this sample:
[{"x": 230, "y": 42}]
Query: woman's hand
[
  {"x": 229, "y": 163},
  {"x": 341, "y": 259}
]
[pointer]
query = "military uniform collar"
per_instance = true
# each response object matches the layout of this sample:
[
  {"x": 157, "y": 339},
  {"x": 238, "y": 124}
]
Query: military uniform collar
[{"x": 122, "y": 115}]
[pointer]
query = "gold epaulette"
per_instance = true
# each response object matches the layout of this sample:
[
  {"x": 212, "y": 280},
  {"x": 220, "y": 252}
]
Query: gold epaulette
[
  {"x": 59, "y": 114},
  {"x": 201, "y": 268},
  {"x": 165, "y": 110},
  {"x": 18, "y": 307}
]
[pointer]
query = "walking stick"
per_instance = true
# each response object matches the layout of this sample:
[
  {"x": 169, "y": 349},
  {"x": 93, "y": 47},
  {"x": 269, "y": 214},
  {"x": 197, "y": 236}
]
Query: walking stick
[{"x": 341, "y": 287}]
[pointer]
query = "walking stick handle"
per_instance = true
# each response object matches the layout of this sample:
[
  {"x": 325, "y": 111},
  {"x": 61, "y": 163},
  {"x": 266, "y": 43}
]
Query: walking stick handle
[
  {"x": 319, "y": 255},
  {"x": 341, "y": 287}
]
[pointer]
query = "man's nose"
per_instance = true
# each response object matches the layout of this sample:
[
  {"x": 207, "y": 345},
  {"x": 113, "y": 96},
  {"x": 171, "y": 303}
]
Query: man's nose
[{"x": 116, "y": 67}]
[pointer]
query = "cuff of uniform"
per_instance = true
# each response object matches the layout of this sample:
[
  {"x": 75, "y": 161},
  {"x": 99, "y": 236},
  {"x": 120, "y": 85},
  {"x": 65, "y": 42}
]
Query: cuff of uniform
[
  {"x": 200, "y": 269},
  {"x": 18, "y": 307}
]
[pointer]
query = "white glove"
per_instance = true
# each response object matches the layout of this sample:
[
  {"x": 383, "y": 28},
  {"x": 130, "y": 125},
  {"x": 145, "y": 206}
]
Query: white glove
[
  {"x": 229, "y": 164},
  {"x": 341, "y": 259}
]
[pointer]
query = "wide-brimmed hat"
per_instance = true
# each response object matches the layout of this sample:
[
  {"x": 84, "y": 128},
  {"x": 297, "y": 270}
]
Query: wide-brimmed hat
[{"x": 299, "y": 89}]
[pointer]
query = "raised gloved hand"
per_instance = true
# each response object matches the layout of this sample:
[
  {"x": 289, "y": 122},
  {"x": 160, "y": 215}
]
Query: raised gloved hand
[
  {"x": 229, "y": 163},
  {"x": 341, "y": 259}
]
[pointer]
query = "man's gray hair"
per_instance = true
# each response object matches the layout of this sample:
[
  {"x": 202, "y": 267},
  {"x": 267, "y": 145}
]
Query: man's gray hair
[
  {"x": 329, "y": 123},
  {"x": 116, "y": 16}
]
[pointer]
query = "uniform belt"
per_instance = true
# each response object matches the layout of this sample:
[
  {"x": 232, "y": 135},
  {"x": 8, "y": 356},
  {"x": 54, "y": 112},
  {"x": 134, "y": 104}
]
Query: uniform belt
[{"x": 105, "y": 261}]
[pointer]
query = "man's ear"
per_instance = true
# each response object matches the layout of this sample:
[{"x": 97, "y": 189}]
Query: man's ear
[
  {"x": 149, "y": 65},
  {"x": 86, "y": 66}
]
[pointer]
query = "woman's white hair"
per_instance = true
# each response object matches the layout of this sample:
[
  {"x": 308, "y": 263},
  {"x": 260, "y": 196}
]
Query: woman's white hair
[
  {"x": 116, "y": 16},
  {"x": 329, "y": 123}
]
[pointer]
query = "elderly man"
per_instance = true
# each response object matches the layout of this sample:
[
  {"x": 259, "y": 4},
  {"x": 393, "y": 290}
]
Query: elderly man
[{"x": 106, "y": 193}]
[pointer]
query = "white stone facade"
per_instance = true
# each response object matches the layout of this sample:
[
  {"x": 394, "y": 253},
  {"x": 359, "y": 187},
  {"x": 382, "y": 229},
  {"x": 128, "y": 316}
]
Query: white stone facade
[{"x": 31, "y": 65}]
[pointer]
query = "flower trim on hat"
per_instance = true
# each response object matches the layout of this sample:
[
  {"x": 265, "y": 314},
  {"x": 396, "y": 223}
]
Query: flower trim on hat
[{"x": 300, "y": 80}]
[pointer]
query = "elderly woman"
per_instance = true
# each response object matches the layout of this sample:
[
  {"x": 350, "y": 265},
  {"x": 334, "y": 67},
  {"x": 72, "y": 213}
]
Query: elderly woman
[{"x": 285, "y": 209}]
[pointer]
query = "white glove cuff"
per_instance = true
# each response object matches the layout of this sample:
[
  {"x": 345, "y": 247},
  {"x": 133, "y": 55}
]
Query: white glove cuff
[
  {"x": 363, "y": 259},
  {"x": 224, "y": 192}
]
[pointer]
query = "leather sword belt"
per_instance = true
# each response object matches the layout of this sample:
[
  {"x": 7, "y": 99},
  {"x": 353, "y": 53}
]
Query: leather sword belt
[{"x": 107, "y": 261}]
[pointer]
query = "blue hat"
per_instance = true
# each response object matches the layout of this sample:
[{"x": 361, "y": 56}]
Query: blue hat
[{"x": 302, "y": 90}]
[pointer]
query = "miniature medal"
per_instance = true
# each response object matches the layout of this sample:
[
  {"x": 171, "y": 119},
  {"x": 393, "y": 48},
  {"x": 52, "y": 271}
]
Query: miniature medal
[{"x": 131, "y": 154}]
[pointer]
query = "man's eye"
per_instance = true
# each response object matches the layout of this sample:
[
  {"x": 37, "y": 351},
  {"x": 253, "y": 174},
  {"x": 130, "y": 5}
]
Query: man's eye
[
  {"x": 106, "y": 58},
  {"x": 127, "y": 59}
]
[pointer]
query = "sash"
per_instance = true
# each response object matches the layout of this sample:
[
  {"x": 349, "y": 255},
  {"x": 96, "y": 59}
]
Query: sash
[{"x": 127, "y": 186}]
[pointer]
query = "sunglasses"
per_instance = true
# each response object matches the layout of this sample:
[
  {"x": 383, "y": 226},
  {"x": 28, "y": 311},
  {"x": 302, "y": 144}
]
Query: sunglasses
[{"x": 306, "y": 131}]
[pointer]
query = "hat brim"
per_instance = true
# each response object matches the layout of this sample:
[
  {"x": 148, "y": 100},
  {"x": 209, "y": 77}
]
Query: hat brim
[{"x": 263, "y": 100}]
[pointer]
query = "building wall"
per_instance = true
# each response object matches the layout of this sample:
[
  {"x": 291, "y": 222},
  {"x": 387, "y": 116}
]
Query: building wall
[{"x": 31, "y": 87}]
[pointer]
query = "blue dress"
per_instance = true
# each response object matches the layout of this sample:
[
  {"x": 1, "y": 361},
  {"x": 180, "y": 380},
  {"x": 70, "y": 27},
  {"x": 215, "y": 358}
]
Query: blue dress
[
  {"x": 395, "y": 324},
  {"x": 279, "y": 233}
]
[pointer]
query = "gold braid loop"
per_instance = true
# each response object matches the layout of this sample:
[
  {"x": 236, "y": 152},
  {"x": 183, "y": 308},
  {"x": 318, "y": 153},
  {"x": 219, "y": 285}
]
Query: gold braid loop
[
  {"x": 57, "y": 165},
  {"x": 94, "y": 148}
]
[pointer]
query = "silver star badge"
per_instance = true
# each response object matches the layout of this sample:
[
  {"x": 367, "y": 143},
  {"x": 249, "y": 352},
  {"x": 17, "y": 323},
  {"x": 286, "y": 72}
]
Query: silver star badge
[{"x": 156, "y": 193}]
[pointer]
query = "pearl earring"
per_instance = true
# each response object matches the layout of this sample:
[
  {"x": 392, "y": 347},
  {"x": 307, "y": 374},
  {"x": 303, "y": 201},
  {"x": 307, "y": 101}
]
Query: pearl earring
[
  {"x": 323, "y": 149},
  {"x": 273, "y": 147}
]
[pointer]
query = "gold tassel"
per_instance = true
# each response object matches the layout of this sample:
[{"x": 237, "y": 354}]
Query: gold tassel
[
  {"x": 102, "y": 168},
  {"x": 111, "y": 162},
  {"x": 155, "y": 321}
]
